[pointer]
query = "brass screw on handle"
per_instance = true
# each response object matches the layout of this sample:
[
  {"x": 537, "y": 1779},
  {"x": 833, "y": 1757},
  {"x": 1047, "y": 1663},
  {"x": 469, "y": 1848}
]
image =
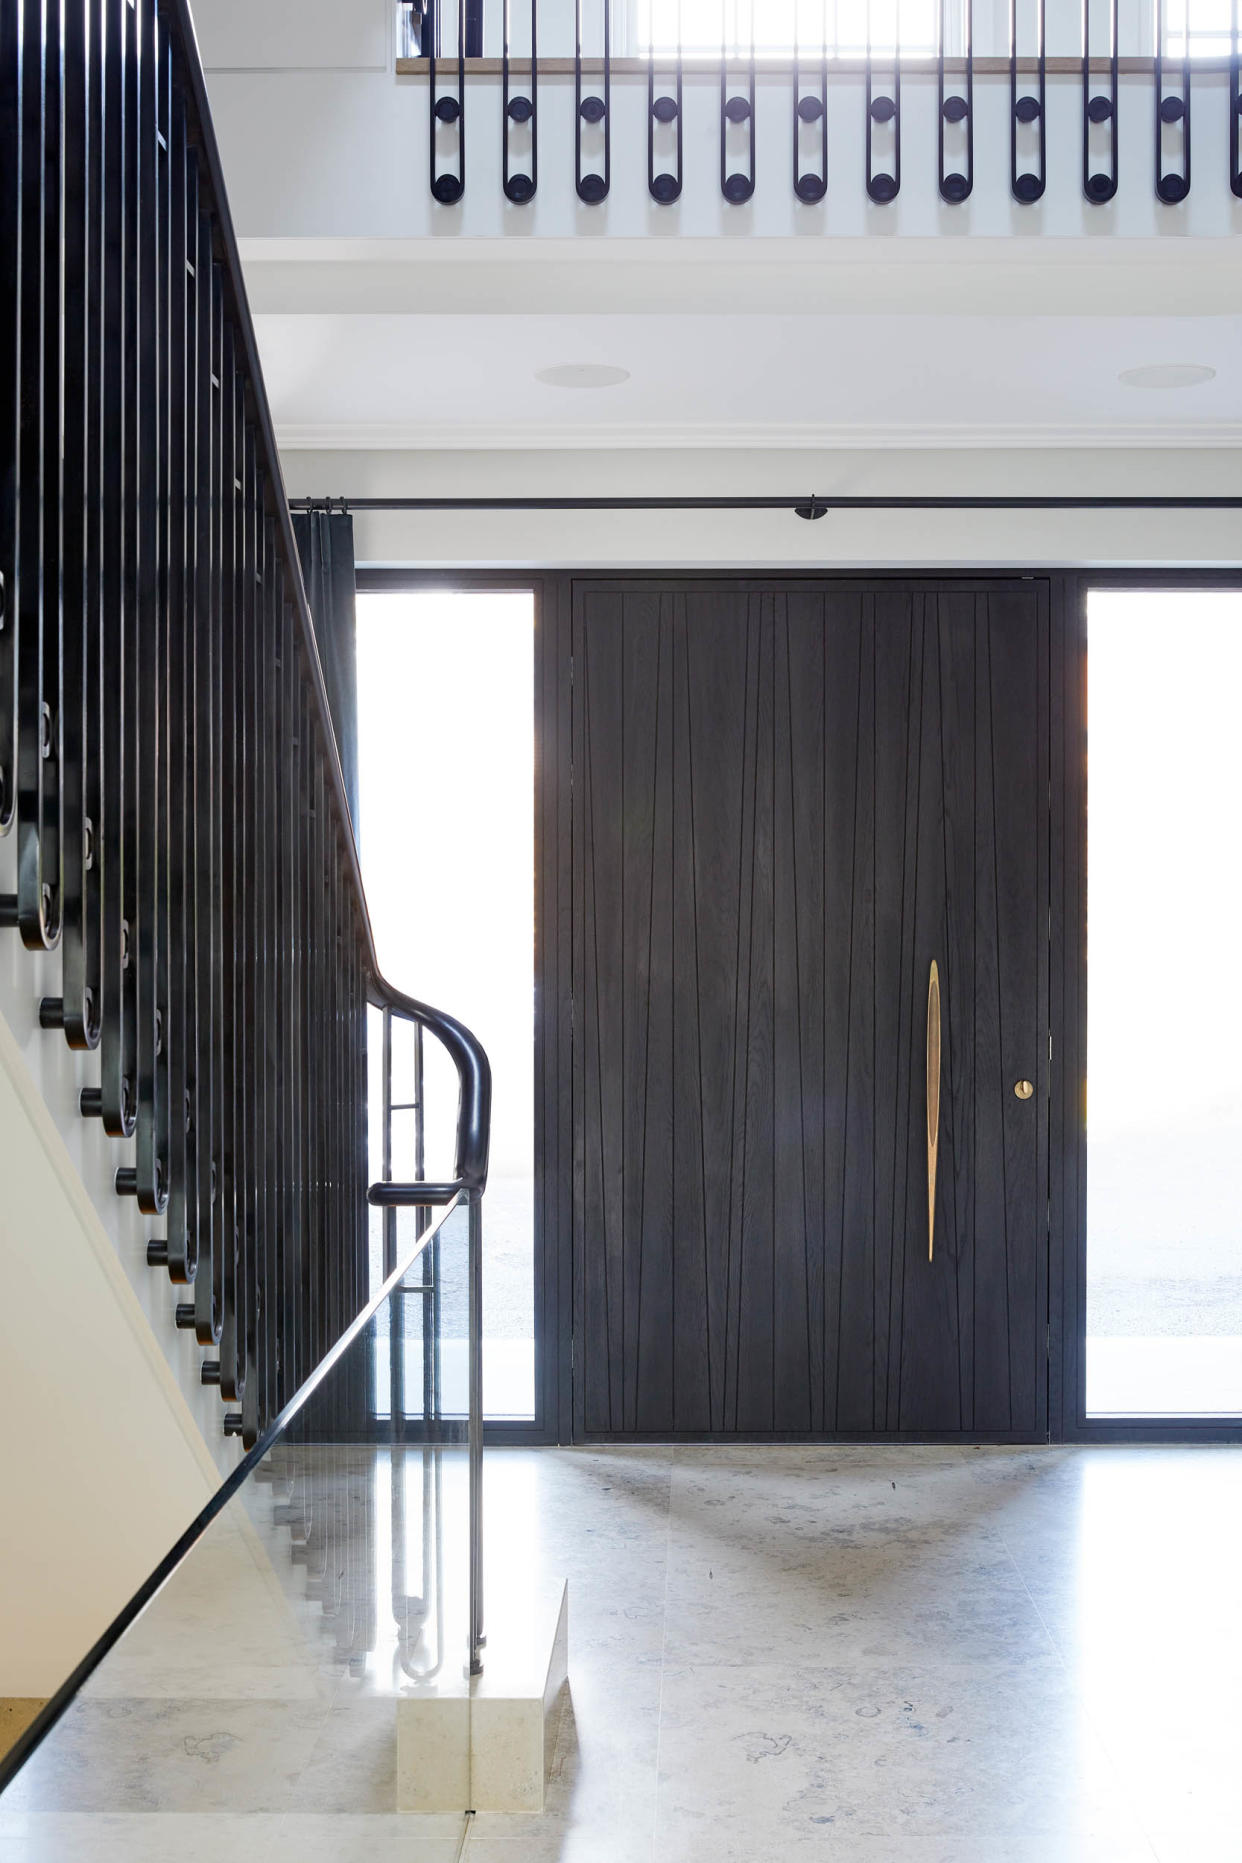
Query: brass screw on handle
[{"x": 1023, "y": 1089}]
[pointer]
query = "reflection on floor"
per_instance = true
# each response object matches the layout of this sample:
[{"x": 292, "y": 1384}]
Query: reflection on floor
[{"x": 897, "y": 1655}]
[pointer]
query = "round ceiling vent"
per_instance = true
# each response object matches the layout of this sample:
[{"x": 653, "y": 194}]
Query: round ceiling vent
[
  {"x": 582, "y": 375},
  {"x": 1167, "y": 375}
]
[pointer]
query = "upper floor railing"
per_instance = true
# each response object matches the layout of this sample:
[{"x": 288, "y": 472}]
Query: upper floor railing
[{"x": 1135, "y": 65}]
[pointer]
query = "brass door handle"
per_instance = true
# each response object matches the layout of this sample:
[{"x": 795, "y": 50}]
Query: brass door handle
[{"x": 933, "y": 1101}]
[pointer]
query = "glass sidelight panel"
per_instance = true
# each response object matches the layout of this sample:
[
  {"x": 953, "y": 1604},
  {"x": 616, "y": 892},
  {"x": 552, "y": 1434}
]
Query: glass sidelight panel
[
  {"x": 446, "y": 778},
  {"x": 1164, "y": 1069}
]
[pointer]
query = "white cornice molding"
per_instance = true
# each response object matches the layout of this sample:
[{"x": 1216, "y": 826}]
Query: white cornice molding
[{"x": 385, "y": 437}]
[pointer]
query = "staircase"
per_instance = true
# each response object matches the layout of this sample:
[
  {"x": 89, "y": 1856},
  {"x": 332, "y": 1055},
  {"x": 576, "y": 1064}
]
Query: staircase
[{"x": 168, "y": 763}]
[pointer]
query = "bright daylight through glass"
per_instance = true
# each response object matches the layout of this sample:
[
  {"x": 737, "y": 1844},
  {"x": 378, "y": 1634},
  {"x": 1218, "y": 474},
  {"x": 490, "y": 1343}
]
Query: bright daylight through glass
[
  {"x": 454, "y": 923},
  {"x": 842, "y": 26},
  {"x": 1164, "y": 1104}
]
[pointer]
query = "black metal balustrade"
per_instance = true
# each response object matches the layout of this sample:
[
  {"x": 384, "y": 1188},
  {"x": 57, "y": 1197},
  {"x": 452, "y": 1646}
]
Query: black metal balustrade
[
  {"x": 167, "y": 757},
  {"x": 447, "y": 34}
]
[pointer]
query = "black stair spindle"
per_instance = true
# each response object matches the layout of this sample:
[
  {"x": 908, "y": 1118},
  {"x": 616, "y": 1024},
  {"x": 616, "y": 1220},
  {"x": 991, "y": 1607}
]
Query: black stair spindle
[
  {"x": 84, "y": 951},
  {"x": 447, "y": 114},
  {"x": 149, "y": 668},
  {"x": 11, "y": 56},
  {"x": 38, "y": 760},
  {"x": 79, "y": 638},
  {"x": 664, "y": 110},
  {"x": 1026, "y": 108},
  {"x": 737, "y": 109},
  {"x": 810, "y": 107},
  {"x": 519, "y": 110},
  {"x": 180, "y": 1036},
  {"x": 1173, "y": 115},
  {"x": 956, "y": 108},
  {"x": 139, "y": 231},
  {"x": 115, "y": 1098},
  {"x": 201, "y": 1207},
  {"x": 1235, "y": 102},
  {"x": 1099, "y": 112},
  {"x": 883, "y": 110},
  {"x": 595, "y": 110},
  {"x": 233, "y": 1031}
]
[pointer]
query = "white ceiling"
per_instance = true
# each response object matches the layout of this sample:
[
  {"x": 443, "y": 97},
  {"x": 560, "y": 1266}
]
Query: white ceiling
[{"x": 400, "y": 379}]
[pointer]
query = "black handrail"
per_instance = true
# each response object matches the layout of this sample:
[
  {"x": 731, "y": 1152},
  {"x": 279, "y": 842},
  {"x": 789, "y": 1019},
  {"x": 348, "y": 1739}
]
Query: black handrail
[{"x": 474, "y": 1076}]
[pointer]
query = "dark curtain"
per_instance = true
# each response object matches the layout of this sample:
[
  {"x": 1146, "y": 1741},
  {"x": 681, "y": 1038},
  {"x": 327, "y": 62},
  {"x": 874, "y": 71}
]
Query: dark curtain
[{"x": 326, "y": 546}]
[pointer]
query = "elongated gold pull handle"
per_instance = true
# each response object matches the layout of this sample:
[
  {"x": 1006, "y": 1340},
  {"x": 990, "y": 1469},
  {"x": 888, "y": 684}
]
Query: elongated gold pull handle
[{"x": 933, "y": 1101}]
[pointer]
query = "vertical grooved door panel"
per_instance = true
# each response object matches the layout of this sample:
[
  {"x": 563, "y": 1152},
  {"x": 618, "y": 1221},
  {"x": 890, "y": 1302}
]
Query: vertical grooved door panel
[{"x": 789, "y": 798}]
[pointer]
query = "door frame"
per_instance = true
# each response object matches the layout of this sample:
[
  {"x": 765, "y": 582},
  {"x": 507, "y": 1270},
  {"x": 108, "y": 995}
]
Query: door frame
[
  {"x": 552, "y": 1059},
  {"x": 1068, "y": 1155},
  {"x": 1067, "y": 999}
]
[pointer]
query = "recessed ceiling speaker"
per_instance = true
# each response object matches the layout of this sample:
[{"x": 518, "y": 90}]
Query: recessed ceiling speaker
[
  {"x": 1167, "y": 375},
  {"x": 582, "y": 375}
]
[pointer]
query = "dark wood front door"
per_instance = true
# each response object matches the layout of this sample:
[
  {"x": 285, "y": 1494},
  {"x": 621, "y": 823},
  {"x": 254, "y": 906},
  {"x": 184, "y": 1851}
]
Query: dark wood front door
[{"x": 789, "y": 798}]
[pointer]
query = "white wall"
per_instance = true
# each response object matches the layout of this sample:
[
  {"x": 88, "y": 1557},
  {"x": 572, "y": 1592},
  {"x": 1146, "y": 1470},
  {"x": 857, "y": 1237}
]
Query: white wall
[{"x": 110, "y": 1444}]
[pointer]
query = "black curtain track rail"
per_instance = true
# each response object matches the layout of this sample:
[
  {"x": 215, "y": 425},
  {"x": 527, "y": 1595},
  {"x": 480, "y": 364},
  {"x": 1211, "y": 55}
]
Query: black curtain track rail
[{"x": 815, "y": 506}]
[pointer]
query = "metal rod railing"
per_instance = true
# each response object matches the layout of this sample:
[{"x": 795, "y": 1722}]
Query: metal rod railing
[
  {"x": 1099, "y": 112},
  {"x": 168, "y": 761},
  {"x": 816, "y": 59},
  {"x": 1027, "y": 110},
  {"x": 810, "y": 107},
  {"x": 1172, "y": 115},
  {"x": 956, "y": 108},
  {"x": 517, "y": 110},
  {"x": 593, "y": 184}
]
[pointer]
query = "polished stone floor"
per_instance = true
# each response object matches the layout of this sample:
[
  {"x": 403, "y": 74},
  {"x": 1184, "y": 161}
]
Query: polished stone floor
[{"x": 864, "y": 1655}]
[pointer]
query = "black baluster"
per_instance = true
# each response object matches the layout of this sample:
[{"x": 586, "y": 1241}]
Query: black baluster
[
  {"x": 226, "y": 1014},
  {"x": 285, "y": 985},
  {"x": 180, "y": 1035},
  {"x": 308, "y": 1010},
  {"x": 1235, "y": 101},
  {"x": 665, "y": 186},
  {"x": 11, "y": 62},
  {"x": 39, "y": 504},
  {"x": 317, "y": 1073},
  {"x": 447, "y": 111},
  {"x": 883, "y": 106},
  {"x": 202, "y": 1111},
  {"x": 737, "y": 185},
  {"x": 77, "y": 1015},
  {"x": 150, "y": 670},
  {"x": 595, "y": 109},
  {"x": 1173, "y": 115},
  {"x": 249, "y": 1053},
  {"x": 114, "y": 838},
  {"x": 1099, "y": 108},
  {"x": 958, "y": 108},
  {"x": 810, "y": 107},
  {"x": 1028, "y": 185},
  {"x": 517, "y": 110},
  {"x": 268, "y": 1046}
]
